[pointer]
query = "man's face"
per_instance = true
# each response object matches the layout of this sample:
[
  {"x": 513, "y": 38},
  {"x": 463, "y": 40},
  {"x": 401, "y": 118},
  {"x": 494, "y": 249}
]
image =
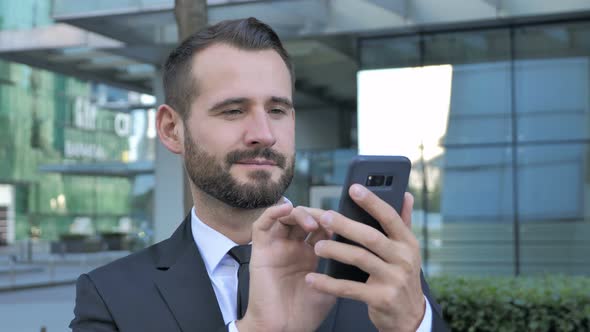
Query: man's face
[{"x": 239, "y": 139}]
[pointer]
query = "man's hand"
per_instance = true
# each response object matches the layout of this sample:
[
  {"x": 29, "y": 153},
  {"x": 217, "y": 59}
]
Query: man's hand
[
  {"x": 283, "y": 240},
  {"x": 393, "y": 291}
]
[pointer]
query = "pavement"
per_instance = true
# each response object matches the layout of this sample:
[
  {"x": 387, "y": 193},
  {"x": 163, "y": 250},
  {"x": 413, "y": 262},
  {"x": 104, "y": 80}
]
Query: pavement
[
  {"x": 38, "y": 294},
  {"x": 48, "y": 309}
]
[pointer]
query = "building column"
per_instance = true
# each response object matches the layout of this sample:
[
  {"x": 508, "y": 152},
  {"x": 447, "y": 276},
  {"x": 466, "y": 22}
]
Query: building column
[{"x": 169, "y": 193}]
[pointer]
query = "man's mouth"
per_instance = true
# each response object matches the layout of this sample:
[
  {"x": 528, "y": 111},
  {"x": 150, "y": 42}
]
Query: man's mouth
[{"x": 257, "y": 161}]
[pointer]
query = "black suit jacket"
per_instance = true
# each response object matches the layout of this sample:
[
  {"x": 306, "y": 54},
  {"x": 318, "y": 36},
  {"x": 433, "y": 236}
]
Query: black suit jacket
[{"x": 166, "y": 288}]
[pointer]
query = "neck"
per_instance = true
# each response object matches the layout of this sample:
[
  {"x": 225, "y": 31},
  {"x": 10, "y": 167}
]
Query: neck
[{"x": 234, "y": 223}]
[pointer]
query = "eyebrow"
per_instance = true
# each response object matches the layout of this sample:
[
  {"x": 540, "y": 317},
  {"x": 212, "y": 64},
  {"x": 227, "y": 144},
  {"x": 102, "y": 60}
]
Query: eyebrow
[{"x": 280, "y": 100}]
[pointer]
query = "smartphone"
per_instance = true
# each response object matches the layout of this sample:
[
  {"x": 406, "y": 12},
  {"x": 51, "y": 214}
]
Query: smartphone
[{"x": 387, "y": 177}]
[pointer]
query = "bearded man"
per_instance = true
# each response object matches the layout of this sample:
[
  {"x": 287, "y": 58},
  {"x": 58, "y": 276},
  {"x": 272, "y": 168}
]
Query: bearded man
[{"x": 245, "y": 259}]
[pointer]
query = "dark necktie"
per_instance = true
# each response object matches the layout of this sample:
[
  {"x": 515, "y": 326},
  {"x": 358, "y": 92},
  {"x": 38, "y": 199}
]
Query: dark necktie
[{"x": 242, "y": 255}]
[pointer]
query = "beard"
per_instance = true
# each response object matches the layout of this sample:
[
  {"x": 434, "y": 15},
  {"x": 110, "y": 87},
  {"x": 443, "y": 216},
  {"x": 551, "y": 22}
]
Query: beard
[{"x": 215, "y": 179}]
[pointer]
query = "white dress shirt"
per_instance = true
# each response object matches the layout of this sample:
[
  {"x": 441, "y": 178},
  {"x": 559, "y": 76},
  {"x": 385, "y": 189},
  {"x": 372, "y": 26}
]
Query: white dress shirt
[{"x": 223, "y": 272}]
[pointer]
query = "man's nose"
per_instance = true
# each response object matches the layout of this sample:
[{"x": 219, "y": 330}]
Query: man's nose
[{"x": 260, "y": 132}]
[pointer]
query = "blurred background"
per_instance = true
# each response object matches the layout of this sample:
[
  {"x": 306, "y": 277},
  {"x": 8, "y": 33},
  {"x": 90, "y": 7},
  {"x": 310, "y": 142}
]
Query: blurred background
[{"x": 490, "y": 99}]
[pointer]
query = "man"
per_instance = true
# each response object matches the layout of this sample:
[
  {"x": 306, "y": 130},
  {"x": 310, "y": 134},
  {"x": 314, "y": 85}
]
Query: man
[{"x": 229, "y": 114}]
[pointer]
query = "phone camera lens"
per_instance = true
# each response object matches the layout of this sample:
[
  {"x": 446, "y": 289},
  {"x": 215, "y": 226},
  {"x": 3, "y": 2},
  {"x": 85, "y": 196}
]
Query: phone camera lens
[
  {"x": 375, "y": 180},
  {"x": 389, "y": 181}
]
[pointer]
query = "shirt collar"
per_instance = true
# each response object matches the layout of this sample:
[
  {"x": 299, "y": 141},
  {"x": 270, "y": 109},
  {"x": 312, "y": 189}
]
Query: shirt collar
[{"x": 212, "y": 245}]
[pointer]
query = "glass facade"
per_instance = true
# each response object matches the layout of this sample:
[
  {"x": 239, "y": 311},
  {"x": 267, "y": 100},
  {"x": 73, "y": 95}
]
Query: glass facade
[
  {"x": 495, "y": 121},
  {"x": 58, "y": 150},
  {"x": 504, "y": 187},
  {"x": 71, "y": 163}
]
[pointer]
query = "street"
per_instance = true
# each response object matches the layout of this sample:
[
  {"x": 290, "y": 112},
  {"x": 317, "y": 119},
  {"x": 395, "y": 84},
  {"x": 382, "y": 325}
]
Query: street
[{"x": 30, "y": 310}]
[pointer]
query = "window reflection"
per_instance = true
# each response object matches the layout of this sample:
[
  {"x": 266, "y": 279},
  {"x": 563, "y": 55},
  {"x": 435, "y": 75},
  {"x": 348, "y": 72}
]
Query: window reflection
[
  {"x": 513, "y": 153},
  {"x": 76, "y": 162}
]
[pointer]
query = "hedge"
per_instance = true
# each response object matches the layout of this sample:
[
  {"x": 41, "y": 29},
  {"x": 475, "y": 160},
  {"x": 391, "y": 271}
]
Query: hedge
[{"x": 550, "y": 303}]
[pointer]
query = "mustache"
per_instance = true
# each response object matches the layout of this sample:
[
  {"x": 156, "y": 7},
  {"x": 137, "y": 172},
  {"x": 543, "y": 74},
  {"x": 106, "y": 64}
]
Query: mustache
[{"x": 265, "y": 153}]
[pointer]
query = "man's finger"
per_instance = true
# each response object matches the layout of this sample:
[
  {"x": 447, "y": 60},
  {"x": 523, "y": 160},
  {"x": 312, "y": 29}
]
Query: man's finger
[
  {"x": 299, "y": 224},
  {"x": 384, "y": 213},
  {"x": 352, "y": 255},
  {"x": 320, "y": 234},
  {"x": 339, "y": 287},
  {"x": 315, "y": 213},
  {"x": 362, "y": 234},
  {"x": 270, "y": 215},
  {"x": 407, "y": 209}
]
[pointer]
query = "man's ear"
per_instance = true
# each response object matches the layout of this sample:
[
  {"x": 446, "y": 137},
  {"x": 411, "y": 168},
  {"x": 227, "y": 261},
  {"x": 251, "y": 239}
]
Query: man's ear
[{"x": 170, "y": 129}]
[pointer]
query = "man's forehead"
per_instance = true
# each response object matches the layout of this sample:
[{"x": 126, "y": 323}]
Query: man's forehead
[
  {"x": 231, "y": 72},
  {"x": 221, "y": 55}
]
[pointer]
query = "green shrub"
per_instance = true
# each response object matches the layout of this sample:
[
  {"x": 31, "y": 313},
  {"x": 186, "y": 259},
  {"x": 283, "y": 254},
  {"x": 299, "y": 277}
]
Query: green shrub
[{"x": 551, "y": 303}]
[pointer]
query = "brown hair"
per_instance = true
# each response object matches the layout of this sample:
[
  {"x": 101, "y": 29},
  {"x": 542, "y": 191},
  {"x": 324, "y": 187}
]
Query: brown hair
[{"x": 246, "y": 34}]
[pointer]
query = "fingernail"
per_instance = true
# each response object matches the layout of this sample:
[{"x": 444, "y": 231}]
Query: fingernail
[
  {"x": 319, "y": 245},
  {"x": 309, "y": 221},
  {"x": 310, "y": 278},
  {"x": 357, "y": 191},
  {"x": 326, "y": 219}
]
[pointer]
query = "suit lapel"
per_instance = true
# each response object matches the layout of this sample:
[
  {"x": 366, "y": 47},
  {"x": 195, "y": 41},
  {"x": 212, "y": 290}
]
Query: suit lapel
[{"x": 184, "y": 284}]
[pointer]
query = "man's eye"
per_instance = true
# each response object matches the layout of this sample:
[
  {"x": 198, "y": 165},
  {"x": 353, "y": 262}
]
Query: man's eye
[
  {"x": 277, "y": 111},
  {"x": 232, "y": 112}
]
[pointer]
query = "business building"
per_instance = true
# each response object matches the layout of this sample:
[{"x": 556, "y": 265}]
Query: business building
[{"x": 490, "y": 99}]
